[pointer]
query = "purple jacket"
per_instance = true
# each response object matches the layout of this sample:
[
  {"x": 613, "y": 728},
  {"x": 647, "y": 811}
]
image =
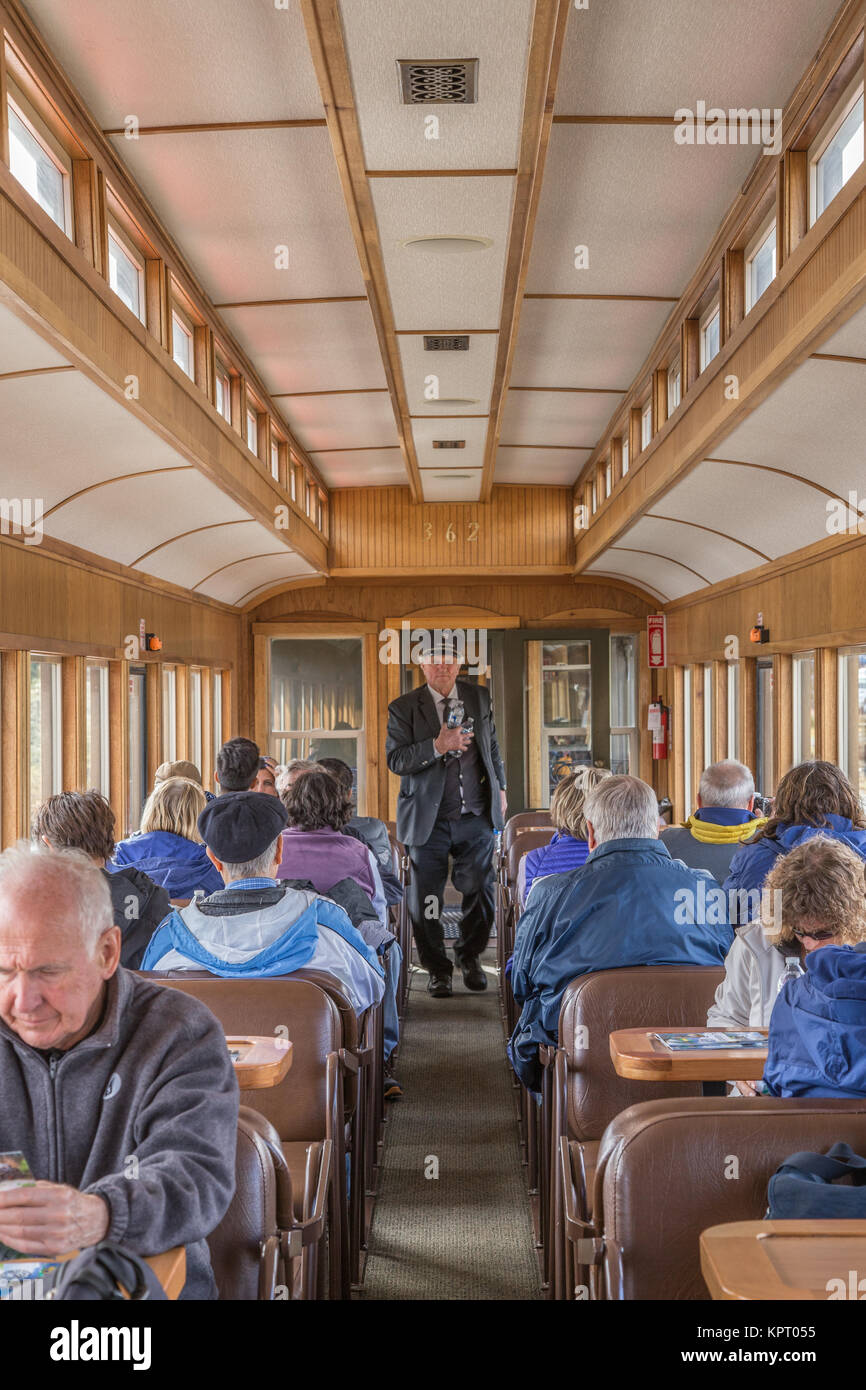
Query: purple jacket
[{"x": 324, "y": 857}]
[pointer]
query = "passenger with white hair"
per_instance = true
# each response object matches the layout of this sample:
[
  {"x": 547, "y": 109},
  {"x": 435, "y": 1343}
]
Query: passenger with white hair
[
  {"x": 119, "y": 1093},
  {"x": 725, "y": 818},
  {"x": 630, "y": 904}
]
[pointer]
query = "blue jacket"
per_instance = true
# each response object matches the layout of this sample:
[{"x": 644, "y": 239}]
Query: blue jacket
[
  {"x": 754, "y": 859},
  {"x": 630, "y": 904},
  {"x": 559, "y": 855},
  {"x": 180, "y": 865},
  {"x": 817, "y": 1044}
]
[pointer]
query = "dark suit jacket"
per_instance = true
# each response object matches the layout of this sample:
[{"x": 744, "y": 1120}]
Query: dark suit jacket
[{"x": 412, "y": 727}]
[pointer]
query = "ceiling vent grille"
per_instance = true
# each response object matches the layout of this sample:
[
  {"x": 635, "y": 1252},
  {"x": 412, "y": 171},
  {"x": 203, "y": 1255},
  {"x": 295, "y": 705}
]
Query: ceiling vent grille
[
  {"x": 449, "y": 443},
  {"x": 446, "y": 342},
  {"x": 449, "y": 80}
]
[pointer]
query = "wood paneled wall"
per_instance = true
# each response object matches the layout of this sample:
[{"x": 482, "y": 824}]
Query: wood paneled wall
[
  {"x": 527, "y": 603},
  {"x": 522, "y": 529}
]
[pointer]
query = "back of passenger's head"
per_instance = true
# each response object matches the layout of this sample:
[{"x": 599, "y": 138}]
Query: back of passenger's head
[
  {"x": 175, "y": 806},
  {"x": 242, "y": 833},
  {"x": 316, "y": 800},
  {"x": 622, "y": 808},
  {"x": 55, "y": 892},
  {"x": 289, "y": 772},
  {"x": 179, "y": 769},
  {"x": 811, "y": 792},
  {"x": 818, "y": 890},
  {"x": 237, "y": 763},
  {"x": 338, "y": 769},
  {"x": 568, "y": 801},
  {"x": 728, "y": 783},
  {"x": 76, "y": 820}
]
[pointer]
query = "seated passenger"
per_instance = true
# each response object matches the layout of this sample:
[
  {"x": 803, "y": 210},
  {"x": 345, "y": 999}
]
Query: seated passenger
[
  {"x": 289, "y": 772},
  {"x": 568, "y": 848},
  {"x": 255, "y": 926},
  {"x": 180, "y": 769},
  {"x": 85, "y": 821},
  {"x": 630, "y": 904},
  {"x": 813, "y": 798},
  {"x": 817, "y": 1043},
  {"x": 370, "y": 831},
  {"x": 314, "y": 846},
  {"x": 237, "y": 765},
  {"x": 145, "y": 1151},
  {"x": 265, "y": 779},
  {"x": 724, "y": 818},
  {"x": 167, "y": 846}
]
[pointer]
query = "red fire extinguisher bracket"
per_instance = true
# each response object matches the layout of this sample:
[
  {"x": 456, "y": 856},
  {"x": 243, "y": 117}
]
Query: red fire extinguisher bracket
[{"x": 659, "y": 726}]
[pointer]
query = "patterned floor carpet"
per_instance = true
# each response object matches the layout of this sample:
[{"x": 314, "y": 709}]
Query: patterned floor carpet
[{"x": 465, "y": 1234}]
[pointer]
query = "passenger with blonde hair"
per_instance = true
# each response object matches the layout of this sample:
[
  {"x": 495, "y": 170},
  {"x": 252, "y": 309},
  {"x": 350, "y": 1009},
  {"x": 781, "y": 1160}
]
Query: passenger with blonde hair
[
  {"x": 168, "y": 847},
  {"x": 817, "y": 1043},
  {"x": 568, "y": 848}
]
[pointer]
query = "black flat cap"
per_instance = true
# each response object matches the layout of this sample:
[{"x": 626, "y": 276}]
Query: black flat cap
[{"x": 239, "y": 826}]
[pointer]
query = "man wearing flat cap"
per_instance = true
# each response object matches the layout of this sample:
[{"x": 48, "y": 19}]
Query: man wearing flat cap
[
  {"x": 442, "y": 745},
  {"x": 255, "y": 925}
]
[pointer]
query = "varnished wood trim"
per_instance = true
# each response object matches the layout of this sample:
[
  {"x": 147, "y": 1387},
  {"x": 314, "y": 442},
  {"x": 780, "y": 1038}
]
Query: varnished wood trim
[
  {"x": 15, "y": 744},
  {"x": 35, "y": 371},
  {"x": 153, "y": 718},
  {"x": 331, "y": 64},
  {"x": 837, "y": 357},
  {"x": 118, "y": 744},
  {"x": 208, "y": 126},
  {"x": 449, "y": 417},
  {"x": 72, "y": 722},
  {"x": 574, "y": 390},
  {"x": 339, "y": 391},
  {"x": 585, "y": 448},
  {"x": 783, "y": 473},
  {"x": 121, "y": 478},
  {"x": 271, "y": 303},
  {"x": 442, "y": 332},
  {"x": 336, "y": 628},
  {"x": 245, "y": 559},
  {"x": 747, "y": 735},
  {"x": 783, "y": 716},
  {"x": 613, "y": 120},
  {"x": 439, "y": 173},
  {"x": 826, "y": 701},
  {"x": 545, "y": 52},
  {"x": 712, "y": 531},
  {"x": 357, "y": 449},
  {"x": 614, "y": 298},
  {"x": 213, "y": 526},
  {"x": 633, "y": 550}
]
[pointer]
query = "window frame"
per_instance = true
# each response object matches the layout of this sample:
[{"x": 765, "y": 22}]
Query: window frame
[
  {"x": 675, "y": 374},
  {"x": 624, "y": 455},
  {"x": 252, "y": 415},
  {"x": 754, "y": 248},
  {"x": 733, "y": 710},
  {"x": 797, "y": 660},
  {"x": 646, "y": 424},
  {"x": 223, "y": 378},
  {"x": 179, "y": 318},
  {"x": 28, "y": 115},
  {"x": 55, "y": 662},
  {"x": 713, "y": 312},
  {"x": 133, "y": 254},
  {"x": 101, "y": 665},
  {"x": 824, "y": 139}
]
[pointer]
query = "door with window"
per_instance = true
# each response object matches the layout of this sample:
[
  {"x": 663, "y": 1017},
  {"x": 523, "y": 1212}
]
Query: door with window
[{"x": 317, "y": 702}]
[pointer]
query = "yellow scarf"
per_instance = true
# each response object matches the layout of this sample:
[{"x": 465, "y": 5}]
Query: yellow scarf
[{"x": 710, "y": 834}]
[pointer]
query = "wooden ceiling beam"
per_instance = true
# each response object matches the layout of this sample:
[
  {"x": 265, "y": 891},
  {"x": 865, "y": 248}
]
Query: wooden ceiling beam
[
  {"x": 545, "y": 53},
  {"x": 330, "y": 61}
]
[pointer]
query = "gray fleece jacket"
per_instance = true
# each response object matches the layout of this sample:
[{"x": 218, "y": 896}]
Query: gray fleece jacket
[{"x": 143, "y": 1112}]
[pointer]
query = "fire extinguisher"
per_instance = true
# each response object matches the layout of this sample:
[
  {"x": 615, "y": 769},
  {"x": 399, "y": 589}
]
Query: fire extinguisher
[{"x": 660, "y": 717}]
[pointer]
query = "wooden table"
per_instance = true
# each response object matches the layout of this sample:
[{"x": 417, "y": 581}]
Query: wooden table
[
  {"x": 263, "y": 1061},
  {"x": 636, "y": 1054},
  {"x": 169, "y": 1268},
  {"x": 785, "y": 1260}
]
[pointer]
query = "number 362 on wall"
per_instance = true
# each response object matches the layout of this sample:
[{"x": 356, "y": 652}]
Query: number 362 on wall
[{"x": 451, "y": 534}]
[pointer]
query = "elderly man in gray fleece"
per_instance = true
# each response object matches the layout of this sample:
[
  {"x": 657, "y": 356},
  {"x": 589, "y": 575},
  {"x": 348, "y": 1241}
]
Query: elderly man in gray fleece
[{"x": 120, "y": 1093}]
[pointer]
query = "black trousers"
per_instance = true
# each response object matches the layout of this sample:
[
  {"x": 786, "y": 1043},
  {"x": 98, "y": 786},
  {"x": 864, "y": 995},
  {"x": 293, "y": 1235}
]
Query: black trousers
[{"x": 469, "y": 842}]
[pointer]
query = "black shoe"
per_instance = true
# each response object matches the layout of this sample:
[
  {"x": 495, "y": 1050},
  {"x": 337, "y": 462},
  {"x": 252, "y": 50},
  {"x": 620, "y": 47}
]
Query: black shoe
[
  {"x": 473, "y": 976},
  {"x": 439, "y": 986}
]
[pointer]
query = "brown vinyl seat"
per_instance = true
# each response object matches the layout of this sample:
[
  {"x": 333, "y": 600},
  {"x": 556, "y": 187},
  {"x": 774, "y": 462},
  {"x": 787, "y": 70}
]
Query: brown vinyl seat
[
  {"x": 582, "y": 1093},
  {"x": 667, "y": 1170},
  {"x": 306, "y": 1107},
  {"x": 245, "y": 1247},
  {"x": 517, "y": 825},
  {"x": 508, "y": 911}
]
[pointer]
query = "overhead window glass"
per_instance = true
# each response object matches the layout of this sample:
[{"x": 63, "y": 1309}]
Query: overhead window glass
[
  {"x": 675, "y": 386},
  {"x": 125, "y": 275},
  {"x": 38, "y": 168},
  {"x": 646, "y": 425},
  {"x": 223, "y": 392},
  {"x": 761, "y": 266},
  {"x": 839, "y": 156},
  {"x": 182, "y": 345},
  {"x": 710, "y": 337}
]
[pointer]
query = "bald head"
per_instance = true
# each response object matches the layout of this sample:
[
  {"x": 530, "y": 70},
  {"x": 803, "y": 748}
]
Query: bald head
[{"x": 58, "y": 945}]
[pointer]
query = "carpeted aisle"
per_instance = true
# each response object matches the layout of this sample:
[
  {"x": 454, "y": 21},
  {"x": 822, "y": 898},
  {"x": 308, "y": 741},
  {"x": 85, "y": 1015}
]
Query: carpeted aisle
[{"x": 466, "y": 1234}]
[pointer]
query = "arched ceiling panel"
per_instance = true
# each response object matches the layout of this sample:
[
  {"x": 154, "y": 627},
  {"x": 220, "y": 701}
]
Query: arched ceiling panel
[
  {"x": 713, "y": 556},
  {"x": 240, "y": 581},
  {"x": 23, "y": 350},
  {"x": 772, "y": 513},
  {"x": 661, "y": 576},
  {"x": 188, "y": 559}
]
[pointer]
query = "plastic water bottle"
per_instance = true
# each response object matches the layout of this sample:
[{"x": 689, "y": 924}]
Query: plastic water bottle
[{"x": 793, "y": 970}]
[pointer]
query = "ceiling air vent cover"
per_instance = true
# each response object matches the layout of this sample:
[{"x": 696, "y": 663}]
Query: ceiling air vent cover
[
  {"x": 446, "y": 342},
  {"x": 449, "y": 443},
  {"x": 451, "y": 80}
]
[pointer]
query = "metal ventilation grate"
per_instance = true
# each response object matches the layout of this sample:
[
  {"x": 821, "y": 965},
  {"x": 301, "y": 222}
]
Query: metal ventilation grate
[
  {"x": 446, "y": 342},
  {"x": 449, "y": 443},
  {"x": 444, "y": 80}
]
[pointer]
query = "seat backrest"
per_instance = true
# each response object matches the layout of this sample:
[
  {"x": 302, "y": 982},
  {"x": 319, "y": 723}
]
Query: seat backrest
[
  {"x": 594, "y": 1006},
  {"x": 235, "y": 1245},
  {"x": 524, "y": 820},
  {"x": 298, "y": 1106},
  {"x": 527, "y": 840},
  {"x": 666, "y": 1171},
  {"x": 351, "y": 1029}
]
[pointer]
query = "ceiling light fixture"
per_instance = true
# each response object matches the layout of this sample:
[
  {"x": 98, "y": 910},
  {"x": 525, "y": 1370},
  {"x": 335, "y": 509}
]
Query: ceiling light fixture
[
  {"x": 447, "y": 244},
  {"x": 452, "y": 401}
]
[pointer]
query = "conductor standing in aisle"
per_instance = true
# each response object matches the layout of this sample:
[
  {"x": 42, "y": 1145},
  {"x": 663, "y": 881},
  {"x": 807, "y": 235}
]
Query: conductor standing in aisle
[{"x": 452, "y": 798}]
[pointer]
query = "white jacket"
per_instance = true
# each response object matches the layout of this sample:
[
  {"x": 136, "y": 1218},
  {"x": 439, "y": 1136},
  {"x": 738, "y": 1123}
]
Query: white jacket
[{"x": 746, "y": 996}]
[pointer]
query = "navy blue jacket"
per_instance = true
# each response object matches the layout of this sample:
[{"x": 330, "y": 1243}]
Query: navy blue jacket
[
  {"x": 180, "y": 865},
  {"x": 630, "y": 904},
  {"x": 754, "y": 859},
  {"x": 817, "y": 1044}
]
